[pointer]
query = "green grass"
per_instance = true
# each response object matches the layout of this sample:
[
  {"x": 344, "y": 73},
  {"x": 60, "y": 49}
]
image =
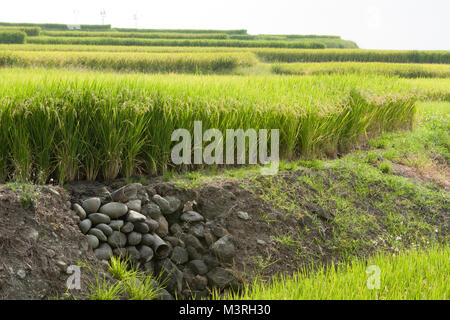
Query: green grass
[
  {"x": 413, "y": 275},
  {"x": 129, "y": 283},
  {"x": 388, "y": 69},
  {"x": 107, "y": 125}
]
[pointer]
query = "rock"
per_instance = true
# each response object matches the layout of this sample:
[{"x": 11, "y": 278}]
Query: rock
[
  {"x": 146, "y": 253},
  {"x": 21, "y": 273},
  {"x": 176, "y": 229},
  {"x": 209, "y": 238},
  {"x": 179, "y": 255},
  {"x": 134, "y": 216},
  {"x": 193, "y": 253},
  {"x": 116, "y": 224},
  {"x": 191, "y": 216},
  {"x": 199, "y": 282},
  {"x": 79, "y": 211},
  {"x": 85, "y": 225},
  {"x": 126, "y": 193},
  {"x": 98, "y": 233},
  {"x": 198, "y": 267},
  {"x": 152, "y": 224},
  {"x": 163, "y": 294},
  {"x": 173, "y": 276},
  {"x": 198, "y": 230},
  {"x": 221, "y": 278},
  {"x": 151, "y": 210},
  {"x": 191, "y": 241},
  {"x": 261, "y": 242},
  {"x": 120, "y": 252},
  {"x": 149, "y": 267},
  {"x": 218, "y": 230},
  {"x": 117, "y": 239},
  {"x": 174, "y": 241},
  {"x": 243, "y": 215},
  {"x": 223, "y": 248},
  {"x": 141, "y": 227},
  {"x": 103, "y": 252},
  {"x": 91, "y": 205},
  {"x": 163, "y": 227},
  {"x": 168, "y": 205},
  {"x": 107, "y": 230},
  {"x": 134, "y": 205},
  {"x": 211, "y": 261},
  {"x": 114, "y": 209},
  {"x": 134, "y": 238},
  {"x": 133, "y": 253},
  {"x": 97, "y": 218},
  {"x": 93, "y": 241},
  {"x": 127, "y": 227}
]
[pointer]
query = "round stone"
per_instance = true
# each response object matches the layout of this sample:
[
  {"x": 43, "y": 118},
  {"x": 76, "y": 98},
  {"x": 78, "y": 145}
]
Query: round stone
[
  {"x": 91, "y": 205},
  {"x": 79, "y": 211},
  {"x": 98, "y": 233},
  {"x": 146, "y": 253},
  {"x": 179, "y": 255},
  {"x": 93, "y": 241},
  {"x": 134, "y": 238},
  {"x": 103, "y": 252},
  {"x": 134, "y": 205},
  {"x": 85, "y": 225},
  {"x": 191, "y": 216},
  {"x": 141, "y": 227},
  {"x": 117, "y": 239},
  {"x": 98, "y": 218},
  {"x": 127, "y": 227},
  {"x": 116, "y": 224},
  {"x": 114, "y": 209},
  {"x": 134, "y": 216},
  {"x": 107, "y": 230}
]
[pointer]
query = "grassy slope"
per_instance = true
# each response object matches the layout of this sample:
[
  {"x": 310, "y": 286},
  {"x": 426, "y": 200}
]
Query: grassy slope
[{"x": 378, "y": 205}]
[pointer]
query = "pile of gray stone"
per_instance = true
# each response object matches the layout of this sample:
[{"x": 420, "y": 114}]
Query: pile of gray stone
[{"x": 192, "y": 254}]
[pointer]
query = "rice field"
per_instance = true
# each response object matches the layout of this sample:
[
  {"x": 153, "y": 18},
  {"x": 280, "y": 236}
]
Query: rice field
[
  {"x": 83, "y": 125},
  {"x": 126, "y": 62},
  {"x": 402, "y": 70}
]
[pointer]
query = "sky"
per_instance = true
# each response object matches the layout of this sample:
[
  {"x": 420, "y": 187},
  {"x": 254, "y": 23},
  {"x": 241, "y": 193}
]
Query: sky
[{"x": 372, "y": 24}]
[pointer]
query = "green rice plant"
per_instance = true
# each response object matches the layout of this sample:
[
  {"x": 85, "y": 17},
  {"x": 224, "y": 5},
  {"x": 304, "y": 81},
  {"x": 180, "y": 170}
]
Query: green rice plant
[
  {"x": 101, "y": 125},
  {"x": 357, "y": 55},
  {"x": 12, "y": 36},
  {"x": 138, "y": 62},
  {"x": 306, "y": 44},
  {"x": 184, "y": 31},
  {"x": 143, "y": 35},
  {"x": 417, "y": 274},
  {"x": 389, "y": 69},
  {"x": 29, "y": 31}
]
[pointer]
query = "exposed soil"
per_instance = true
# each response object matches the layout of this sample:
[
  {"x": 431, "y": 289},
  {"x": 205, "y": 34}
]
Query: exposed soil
[{"x": 38, "y": 243}]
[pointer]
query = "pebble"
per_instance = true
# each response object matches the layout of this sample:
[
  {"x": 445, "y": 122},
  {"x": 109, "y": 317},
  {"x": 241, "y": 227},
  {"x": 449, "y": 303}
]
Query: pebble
[
  {"x": 146, "y": 253},
  {"x": 141, "y": 227},
  {"x": 179, "y": 255},
  {"x": 97, "y": 218},
  {"x": 116, "y": 224},
  {"x": 191, "y": 216},
  {"x": 134, "y": 238},
  {"x": 127, "y": 227},
  {"x": 134, "y": 205},
  {"x": 79, "y": 211},
  {"x": 93, "y": 241},
  {"x": 103, "y": 252},
  {"x": 98, "y": 233},
  {"x": 117, "y": 239},
  {"x": 107, "y": 230},
  {"x": 134, "y": 216},
  {"x": 85, "y": 225},
  {"x": 91, "y": 205},
  {"x": 243, "y": 215},
  {"x": 114, "y": 209}
]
